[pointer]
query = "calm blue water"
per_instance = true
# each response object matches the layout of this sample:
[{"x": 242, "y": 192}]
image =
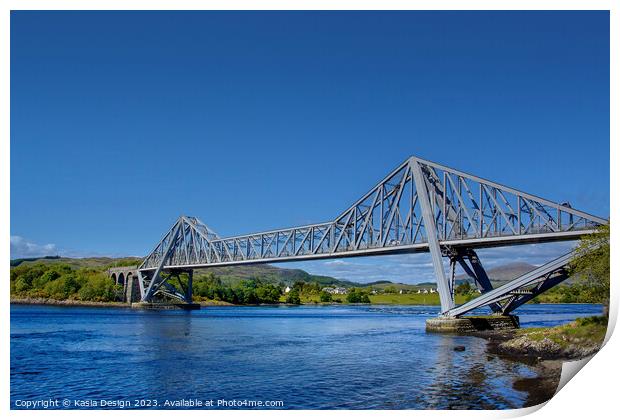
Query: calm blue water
[{"x": 357, "y": 357}]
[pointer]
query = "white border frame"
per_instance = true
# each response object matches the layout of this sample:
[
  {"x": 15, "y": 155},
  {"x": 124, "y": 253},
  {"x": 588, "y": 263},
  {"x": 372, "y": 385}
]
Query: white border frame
[{"x": 592, "y": 395}]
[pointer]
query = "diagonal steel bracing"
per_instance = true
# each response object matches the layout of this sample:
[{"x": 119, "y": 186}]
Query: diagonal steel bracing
[
  {"x": 511, "y": 295},
  {"x": 420, "y": 206},
  {"x": 468, "y": 259}
]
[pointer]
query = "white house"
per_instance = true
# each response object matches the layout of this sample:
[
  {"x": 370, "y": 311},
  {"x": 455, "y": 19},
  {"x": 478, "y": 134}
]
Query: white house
[{"x": 335, "y": 290}]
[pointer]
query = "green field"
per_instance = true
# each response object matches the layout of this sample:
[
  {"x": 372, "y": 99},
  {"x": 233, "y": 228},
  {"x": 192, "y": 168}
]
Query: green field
[
  {"x": 410, "y": 299},
  {"x": 386, "y": 299}
]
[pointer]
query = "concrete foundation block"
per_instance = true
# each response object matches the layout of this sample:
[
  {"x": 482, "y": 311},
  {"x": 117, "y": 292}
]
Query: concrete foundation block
[
  {"x": 165, "y": 305},
  {"x": 469, "y": 324}
]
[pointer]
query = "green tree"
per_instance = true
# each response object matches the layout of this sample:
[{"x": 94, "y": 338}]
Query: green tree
[
  {"x": 62, "y": 287},
  {"x": 463, "y": 288},
  {"x": 100, "y": 288},
  {"x": 268, "y": 293},
  {"x": 357, "y": 296},
  {"x": 325, "y": 296},
  {"x": 21, "y": 285},
  {"x": 299, "y": 286},
  {"x": 246, "y": 292},
  {"x": 389, "y": 289},
  {"x": 293, "y": 297},
  {"x": 50, "y": 275},
  {"x": 592, "y": 265}
]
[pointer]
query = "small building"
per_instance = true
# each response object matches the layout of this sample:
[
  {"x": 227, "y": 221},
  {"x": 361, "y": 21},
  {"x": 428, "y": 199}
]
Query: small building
[
  {"x": 335, "y": 290},
  {"x": 287, "y": 289}
]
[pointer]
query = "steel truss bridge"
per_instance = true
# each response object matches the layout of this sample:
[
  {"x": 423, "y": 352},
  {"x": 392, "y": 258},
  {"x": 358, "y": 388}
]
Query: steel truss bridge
[{"x": 421, "y": 206}]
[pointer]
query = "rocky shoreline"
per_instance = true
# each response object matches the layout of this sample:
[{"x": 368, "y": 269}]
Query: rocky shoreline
[
  {"x": 526, "y": 343},
  {"x": 543, "y": 355}
]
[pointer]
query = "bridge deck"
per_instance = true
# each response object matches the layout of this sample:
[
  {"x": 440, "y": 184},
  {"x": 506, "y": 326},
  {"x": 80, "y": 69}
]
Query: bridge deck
[{"x": 476, "y": 243}]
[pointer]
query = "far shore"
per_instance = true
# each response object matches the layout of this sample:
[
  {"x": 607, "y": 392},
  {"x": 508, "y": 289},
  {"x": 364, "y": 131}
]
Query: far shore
[{"x": 211, "y": 303}]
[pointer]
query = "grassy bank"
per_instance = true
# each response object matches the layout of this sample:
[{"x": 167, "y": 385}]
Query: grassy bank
[
  {"x": 412, "y": 299},
  {"x": 575, "y": 340},
  {"x": 431, "y": 299}
]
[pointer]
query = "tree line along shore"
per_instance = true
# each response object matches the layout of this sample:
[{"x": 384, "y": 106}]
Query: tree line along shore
[{"x": 55, "y": 283}]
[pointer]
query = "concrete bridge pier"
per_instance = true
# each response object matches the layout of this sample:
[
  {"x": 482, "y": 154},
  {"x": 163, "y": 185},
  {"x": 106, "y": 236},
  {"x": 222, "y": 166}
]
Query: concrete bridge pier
[
  {"x": 470, "y": 324},
  {"x": 173, "y": 290}
]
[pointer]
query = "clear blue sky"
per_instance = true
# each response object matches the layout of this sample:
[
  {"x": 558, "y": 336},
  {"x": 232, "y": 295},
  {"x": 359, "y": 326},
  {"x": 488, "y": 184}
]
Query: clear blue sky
[{"x": 122, "y": 121}]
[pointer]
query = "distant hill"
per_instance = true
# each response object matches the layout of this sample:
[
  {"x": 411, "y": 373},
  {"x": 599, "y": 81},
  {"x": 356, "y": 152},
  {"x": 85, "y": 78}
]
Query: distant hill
[
  {"x": 509, "y": 271},
  {"x": 232, "y": 274},
  {"x": 271, "y": 274},
  {"x": 79, "y": 262},
  {"x": 504, "y": 273},
  {"x": 18, "y": 261}
]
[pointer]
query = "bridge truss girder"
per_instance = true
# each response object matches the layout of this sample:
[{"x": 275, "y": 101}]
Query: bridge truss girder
[{"x": 420, "y": 206}]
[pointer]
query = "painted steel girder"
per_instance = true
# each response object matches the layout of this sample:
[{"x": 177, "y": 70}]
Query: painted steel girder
[
  {"x": 466, "y": 209},
  {"x": 418, "y": 207}
]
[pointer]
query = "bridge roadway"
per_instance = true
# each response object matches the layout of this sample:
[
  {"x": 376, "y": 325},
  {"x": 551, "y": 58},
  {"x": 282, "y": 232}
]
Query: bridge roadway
[{"x": 421, "y": 206}]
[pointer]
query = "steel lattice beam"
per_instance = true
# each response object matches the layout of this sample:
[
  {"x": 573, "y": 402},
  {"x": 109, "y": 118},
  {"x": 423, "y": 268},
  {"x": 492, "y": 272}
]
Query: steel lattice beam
[{"x": 420, "y": 206}]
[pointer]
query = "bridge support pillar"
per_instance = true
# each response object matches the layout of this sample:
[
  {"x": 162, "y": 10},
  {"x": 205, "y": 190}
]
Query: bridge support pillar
[
  {"x": 189, "y": 294},
  {"x": 443, "y": 287}
]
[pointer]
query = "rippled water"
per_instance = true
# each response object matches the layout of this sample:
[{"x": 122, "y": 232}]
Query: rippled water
[{"x": 357, "y": 357}]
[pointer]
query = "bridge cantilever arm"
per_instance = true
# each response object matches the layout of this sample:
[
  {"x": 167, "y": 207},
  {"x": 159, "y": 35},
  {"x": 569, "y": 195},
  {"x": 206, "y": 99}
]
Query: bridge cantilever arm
[{"x": 514, "y": 191}]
